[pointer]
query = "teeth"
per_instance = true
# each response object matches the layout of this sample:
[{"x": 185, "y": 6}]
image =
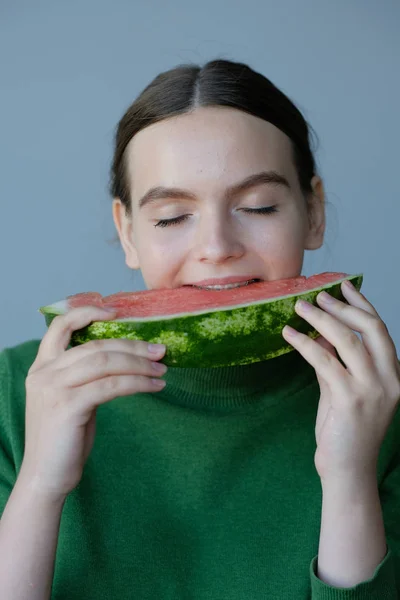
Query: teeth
[{"x": 229, "y": 286}]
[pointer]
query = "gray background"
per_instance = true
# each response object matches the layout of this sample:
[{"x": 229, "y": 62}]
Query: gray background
[{"x": 68, "y": 70}]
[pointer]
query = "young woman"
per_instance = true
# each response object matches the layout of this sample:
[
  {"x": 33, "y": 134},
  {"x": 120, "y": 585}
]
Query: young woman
[{"x": 280, "y": 479}]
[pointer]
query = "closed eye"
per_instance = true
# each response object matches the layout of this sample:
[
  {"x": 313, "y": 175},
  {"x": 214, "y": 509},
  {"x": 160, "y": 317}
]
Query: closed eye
[
  {"x": 175, "y": 221},
  {"x": 263, "y": 210}
]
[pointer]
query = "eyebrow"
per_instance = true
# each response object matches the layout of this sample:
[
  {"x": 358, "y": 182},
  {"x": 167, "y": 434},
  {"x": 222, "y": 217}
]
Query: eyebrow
[{"x": 264, "y": 177}]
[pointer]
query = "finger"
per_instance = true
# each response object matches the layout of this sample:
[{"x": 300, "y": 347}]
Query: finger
[
  {"x": 351, "y": 350},
  {"x": 58, "y": 336},
  {"x": 134, "y": 347},
  {"x": 361, "y": 316},
  {"x": 321, "y": 341},
  {"x": 92, "y": 395},
  {"x": 330, "y": 348},
  {"x": 356, "y": 298},
  {"x": 326, "y": 366},
  {"x": 102, "y": 364}
]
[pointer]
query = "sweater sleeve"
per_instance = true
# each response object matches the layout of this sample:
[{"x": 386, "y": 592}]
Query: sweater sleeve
[
  {"x": 381, "y": 586},
  {"x": 385, "y": 582},
  {"x": 7, "y": 467}
]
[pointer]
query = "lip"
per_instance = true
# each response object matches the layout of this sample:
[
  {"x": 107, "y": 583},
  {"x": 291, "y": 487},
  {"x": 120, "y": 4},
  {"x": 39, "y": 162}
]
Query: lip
[{"x": 225, "y": 280}]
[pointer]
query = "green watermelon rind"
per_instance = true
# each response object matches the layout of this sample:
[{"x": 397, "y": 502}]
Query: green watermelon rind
[{"x": 216, "y": 338}]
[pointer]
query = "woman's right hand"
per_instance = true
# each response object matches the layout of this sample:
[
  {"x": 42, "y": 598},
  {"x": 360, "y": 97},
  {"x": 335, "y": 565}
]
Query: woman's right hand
[{"x": 64, "y": 389}]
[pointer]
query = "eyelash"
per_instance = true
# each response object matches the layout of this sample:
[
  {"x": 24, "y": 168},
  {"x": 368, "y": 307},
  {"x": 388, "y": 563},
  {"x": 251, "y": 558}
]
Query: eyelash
[{"x": 264, "y": 210}]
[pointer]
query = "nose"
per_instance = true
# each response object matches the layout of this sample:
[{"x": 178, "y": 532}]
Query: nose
[{"x": 217, "y": 240}]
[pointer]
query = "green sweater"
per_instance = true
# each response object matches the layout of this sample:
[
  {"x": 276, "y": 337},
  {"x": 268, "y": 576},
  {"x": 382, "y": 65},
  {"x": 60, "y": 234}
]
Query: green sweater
[{"x": 206, "y": 490}]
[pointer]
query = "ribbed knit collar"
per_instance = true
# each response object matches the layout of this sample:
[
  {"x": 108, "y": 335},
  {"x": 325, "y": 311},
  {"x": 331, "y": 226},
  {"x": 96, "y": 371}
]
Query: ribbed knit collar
[{"x": 226, "y": 389}]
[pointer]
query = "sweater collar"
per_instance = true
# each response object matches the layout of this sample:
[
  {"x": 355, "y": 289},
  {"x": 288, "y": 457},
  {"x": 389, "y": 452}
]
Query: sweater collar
[{"x": 226, "y": 389}]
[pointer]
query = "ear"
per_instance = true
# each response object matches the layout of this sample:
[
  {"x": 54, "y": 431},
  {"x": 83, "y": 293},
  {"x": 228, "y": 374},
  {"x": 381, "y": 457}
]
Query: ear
[
  {"x": 123, "y": 224},
  {"x": 316, "y": 215}
]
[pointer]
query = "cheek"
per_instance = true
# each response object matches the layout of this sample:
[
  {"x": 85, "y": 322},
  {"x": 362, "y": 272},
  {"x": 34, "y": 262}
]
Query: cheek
[
  {"x": 278, "y": 235},
  {"x": 282, "y": 254},
  {"x": 161, "y": 248},
  {"x": 169, "y": 240}
]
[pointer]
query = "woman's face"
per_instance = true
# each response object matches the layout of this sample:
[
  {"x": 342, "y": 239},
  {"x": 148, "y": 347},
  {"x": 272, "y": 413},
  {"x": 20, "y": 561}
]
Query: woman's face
[{"x": 206, "y": 154}]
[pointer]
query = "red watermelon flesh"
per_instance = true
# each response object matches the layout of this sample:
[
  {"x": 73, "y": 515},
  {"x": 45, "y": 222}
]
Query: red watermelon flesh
[{"x": 165, "y": 301}]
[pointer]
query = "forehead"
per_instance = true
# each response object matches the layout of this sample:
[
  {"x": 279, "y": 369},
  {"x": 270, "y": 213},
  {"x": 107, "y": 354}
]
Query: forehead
[{"x": 212, "y": 146}]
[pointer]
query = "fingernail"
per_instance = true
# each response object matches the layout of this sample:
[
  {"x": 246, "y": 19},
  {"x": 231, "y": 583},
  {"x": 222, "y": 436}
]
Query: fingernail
[
  {"x": 159, "y": 367},
  {"x": 326, "y": 298},
  {"x": 159, "y": 383},
  {"x": 289, "y": 331},
  {"x": 303, "y": 305},
  {"x": 349, "y": 285},
  {"x": 109, "y": 309},
  {"x": 156, "y": 348}
]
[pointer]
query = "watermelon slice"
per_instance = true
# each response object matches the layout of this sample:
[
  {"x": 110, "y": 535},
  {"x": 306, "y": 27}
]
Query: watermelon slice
[{"x": 207, "y": 328}]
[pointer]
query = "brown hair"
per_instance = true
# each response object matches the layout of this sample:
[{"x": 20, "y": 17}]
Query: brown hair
[{"x": 218, "y": 83}]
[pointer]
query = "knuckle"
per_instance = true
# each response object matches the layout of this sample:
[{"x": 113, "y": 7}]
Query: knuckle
[
  {"x": 97, "y": 345},
  {"x": 111, "y": 383},
  {"x": 35, "y": 379},
  {"x": 358, "y": 403},
  {"x": 46, "y": 387},
  {"x": 146, "y": 366},
  {"x": 100, "y": 360},
  {"x": 145, "y": 383},
  {"x": 63, "y": 322},
  {"x": 140, "y": 364},
  {"x": 137, "y": 345},
  {"x": 351, "y": 338},
  {"x": 326, "y": 359},
  {"x": 31, "y": 381},
  {"x": 57, "y": 321},
  {"x": 373, "y": 390},
  {"x": 371, "y": 396},
  {"x": 32, "y": 370},
  {"x": 380, "y": 325},
  {"x": 140, "y": 345},
  {"x": 341, "y": 307}
]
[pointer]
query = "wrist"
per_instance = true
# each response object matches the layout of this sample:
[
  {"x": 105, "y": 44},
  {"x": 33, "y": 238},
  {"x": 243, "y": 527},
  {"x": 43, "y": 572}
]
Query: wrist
[
  {"x": 29, "y": 485},
  {"x": 355, "y": 490}
]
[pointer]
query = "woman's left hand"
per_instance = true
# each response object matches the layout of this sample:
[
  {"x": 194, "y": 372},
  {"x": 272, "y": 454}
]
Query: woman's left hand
[{"x": 359, "y": 400}]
